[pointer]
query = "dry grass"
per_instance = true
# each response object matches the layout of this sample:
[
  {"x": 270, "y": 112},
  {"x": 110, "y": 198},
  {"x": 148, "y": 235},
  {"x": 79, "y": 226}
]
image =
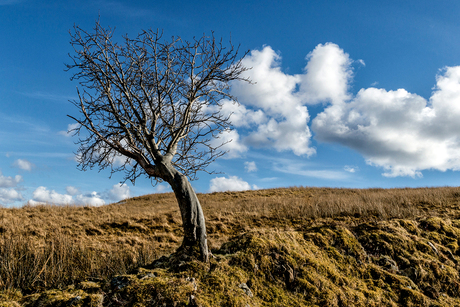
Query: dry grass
[
  {"x": 314, "y": 203},
  {"x": 53, "y": 246},
  {"x": 49, "y": 247}
]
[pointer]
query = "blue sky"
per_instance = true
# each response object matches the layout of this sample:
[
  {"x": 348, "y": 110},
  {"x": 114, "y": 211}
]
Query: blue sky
[{"x": 349, "y": 94}]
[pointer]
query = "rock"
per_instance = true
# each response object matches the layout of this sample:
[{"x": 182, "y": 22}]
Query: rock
[
  {"x": 146, "y": 276},
  {"x": 288, "y": 274},
  {"x": 246, "y": 289},
  {"x": 74, "y": 300},
  {"x": 192, "y": 280},
  {"x": 431, "y": 292},
  {"x": 192, "y": 301},
  {"x": 119, "y": 282},
  {"x": 388, "y": 264}
]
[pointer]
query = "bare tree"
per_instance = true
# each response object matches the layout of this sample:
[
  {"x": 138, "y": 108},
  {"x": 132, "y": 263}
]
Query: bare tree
[{"x": 150, "y": 107}]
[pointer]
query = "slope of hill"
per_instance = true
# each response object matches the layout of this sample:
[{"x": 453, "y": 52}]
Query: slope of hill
[{"x": 279, "y": 247}]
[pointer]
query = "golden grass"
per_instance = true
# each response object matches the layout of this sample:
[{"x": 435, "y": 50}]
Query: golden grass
[{"x": 53, "y": 247}]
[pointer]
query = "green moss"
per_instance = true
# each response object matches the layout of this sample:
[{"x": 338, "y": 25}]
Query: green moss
[
  {"x": 10, "y": 295},
  {"x": 10, "y": 298}
]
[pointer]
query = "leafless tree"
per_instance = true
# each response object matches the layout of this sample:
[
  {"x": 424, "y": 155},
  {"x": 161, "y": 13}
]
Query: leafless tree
[{"x": 150, "y": 107}]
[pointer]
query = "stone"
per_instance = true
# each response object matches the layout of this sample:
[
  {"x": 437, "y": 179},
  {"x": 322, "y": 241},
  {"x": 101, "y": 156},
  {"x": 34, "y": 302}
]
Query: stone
[
  {"x": 192, "y": 280},
  {"x": 246, "y": 289},
  {"x": 119, "y": 282}
]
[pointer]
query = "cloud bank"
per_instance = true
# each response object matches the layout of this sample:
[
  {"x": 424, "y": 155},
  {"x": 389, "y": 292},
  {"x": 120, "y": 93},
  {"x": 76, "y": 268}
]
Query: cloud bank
[
  {"x": 43, "y": 195},
  {"x": 8, "y": 189},
  {"x": 398, "y": 131}
]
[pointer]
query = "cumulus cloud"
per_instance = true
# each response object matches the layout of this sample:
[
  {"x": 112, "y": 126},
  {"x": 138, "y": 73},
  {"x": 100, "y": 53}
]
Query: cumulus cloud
[
  {"x": 71, "y": 190},
  {"x": 91, "y": 199},
  {"x": 240, "y": 115},
  {"x": 8, "y": 196},
  {"x": 119, "y": 192},
  {"x": 9, "y": 182},
  {"x": 250, "y": 166},
  {"x": 273, "y": 109},
  {"x": 8, "y": 189},
  {"x": 328, "y": 74},
  {"x": 399, "y": 131},
  {"x": 272, "y": 106},
  {"x": 23, "y": 164},
  {"x": 44, "y": 196},
  {"x": 232, "y": 183},
  {"x": 231, "y": 144}
]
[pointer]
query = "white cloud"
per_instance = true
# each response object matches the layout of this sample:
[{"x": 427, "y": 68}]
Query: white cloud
[
  {"x": 233, "y": 183},
  {"x": 119, "y": 192},
  {"x": 91, "y": 199},
  {"x": 44, "y": 196},
  {"x": 232, "y": 144},
  {"x": 350, "y": 169},
  {"x": 280, "y": 120},
  {"x": 23, "y": 164},
  {"x": 240, "y": 115},
  {"x": 9, "y": 182},
  {"x": 8, "y": 196},
  {"x": 71, "y": 190},
  {"x": 399, "y": 131},
  {"x": 327, "y": 76},
  {"x": 250, "y": 166},
  {"x": 273, "y": 110},
  {"x": 69, "y": 131},
  {"x": 361, "y": 62}
]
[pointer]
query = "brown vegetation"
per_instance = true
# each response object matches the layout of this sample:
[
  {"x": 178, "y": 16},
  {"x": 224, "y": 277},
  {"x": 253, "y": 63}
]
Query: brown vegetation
[{"x": 311, "y": 246}]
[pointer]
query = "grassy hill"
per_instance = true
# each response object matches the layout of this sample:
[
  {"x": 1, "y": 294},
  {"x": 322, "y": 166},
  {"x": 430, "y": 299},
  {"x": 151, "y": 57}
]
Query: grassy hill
[{"x": 278, "y": 247}]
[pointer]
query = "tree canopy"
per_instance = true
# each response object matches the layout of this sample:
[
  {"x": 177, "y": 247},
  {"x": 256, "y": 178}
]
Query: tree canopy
[{"x": 148, "y": 100}]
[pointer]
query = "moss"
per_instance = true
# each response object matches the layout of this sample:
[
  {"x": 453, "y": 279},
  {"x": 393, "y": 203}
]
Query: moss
[
  {"x": 89, "y": 286},
  {"x": 10, "y": 295},
  {"x": 60, "y": 298},
  {"x": 10, "y": 298}
]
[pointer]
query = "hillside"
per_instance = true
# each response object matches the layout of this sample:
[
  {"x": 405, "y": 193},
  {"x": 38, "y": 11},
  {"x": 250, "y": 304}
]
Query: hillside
[{"x": 278, "y": 247}]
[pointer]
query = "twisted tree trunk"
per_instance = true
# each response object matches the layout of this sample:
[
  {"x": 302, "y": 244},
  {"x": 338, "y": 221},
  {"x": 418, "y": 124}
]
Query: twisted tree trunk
[{"x": 192, "y": 214}]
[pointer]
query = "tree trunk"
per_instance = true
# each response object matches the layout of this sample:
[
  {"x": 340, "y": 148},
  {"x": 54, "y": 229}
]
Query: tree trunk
[{"x": 191, "y": 212}]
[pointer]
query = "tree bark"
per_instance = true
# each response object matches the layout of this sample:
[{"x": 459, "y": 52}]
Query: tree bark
[{"x": 193, "y": 221}]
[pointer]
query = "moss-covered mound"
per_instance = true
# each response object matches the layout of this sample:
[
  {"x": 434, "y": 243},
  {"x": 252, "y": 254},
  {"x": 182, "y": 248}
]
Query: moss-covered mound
[{"x": 389, "y": 263}]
